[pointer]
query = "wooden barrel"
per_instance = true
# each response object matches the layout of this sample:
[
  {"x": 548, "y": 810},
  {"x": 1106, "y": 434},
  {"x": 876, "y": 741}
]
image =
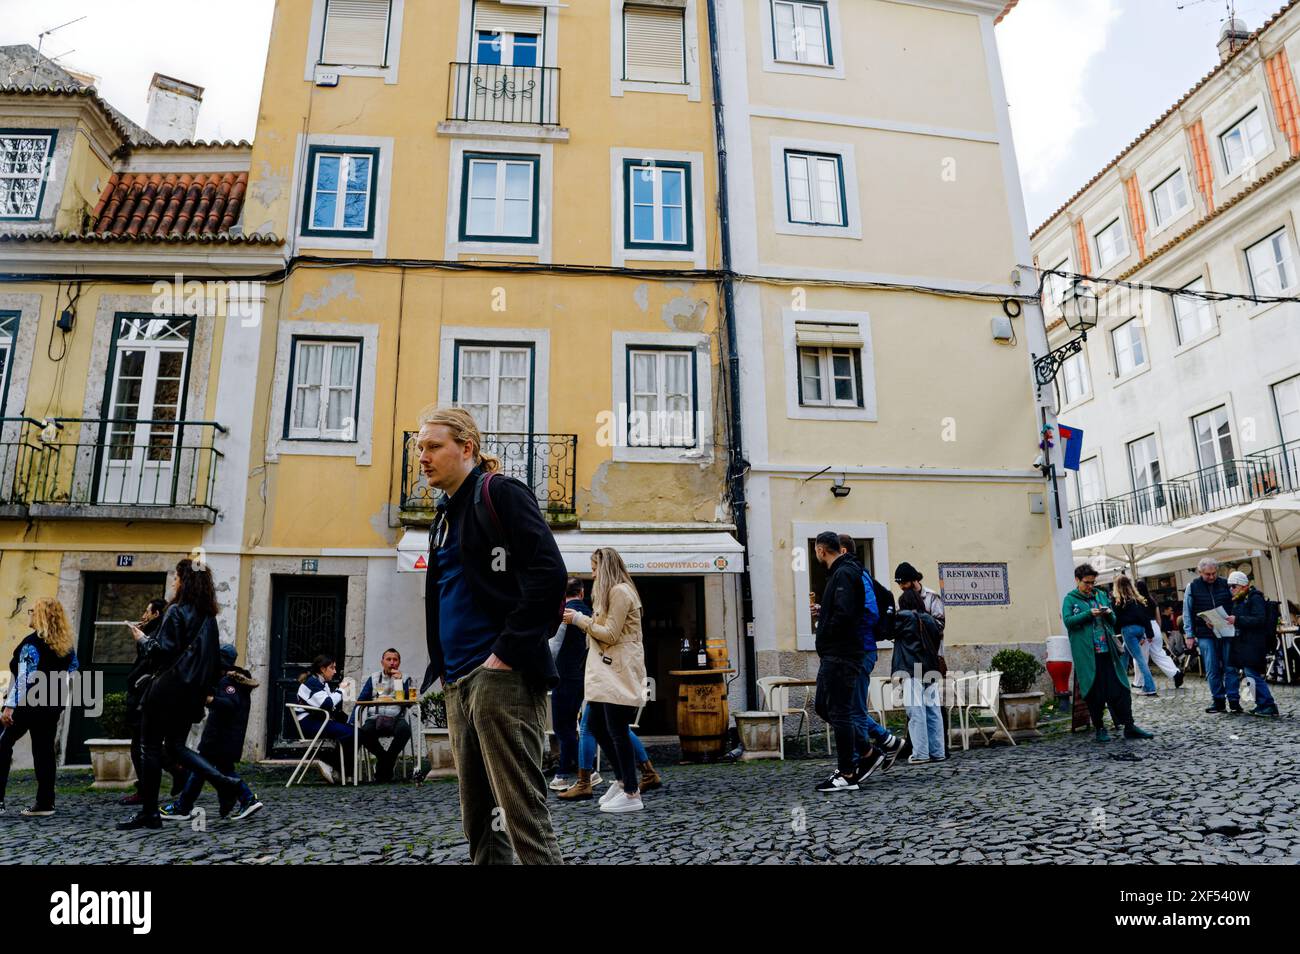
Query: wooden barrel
[
  {"x": 716, "y": 652},
  {"x": 702, "y": 716}
]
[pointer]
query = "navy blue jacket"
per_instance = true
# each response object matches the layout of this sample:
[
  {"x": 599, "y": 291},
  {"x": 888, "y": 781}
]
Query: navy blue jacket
[
  {"x": 223, "y": 735},
  {"x": 572, "y": 660}
]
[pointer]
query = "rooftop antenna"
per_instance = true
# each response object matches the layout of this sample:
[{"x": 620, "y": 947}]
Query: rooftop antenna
[{"x": 40, "y": 37}]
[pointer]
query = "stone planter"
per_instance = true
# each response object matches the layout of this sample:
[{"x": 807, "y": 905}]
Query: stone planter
[
  {"x": 1019, "y": 712},
  {"x": 437, "y": 752},
  {"x": 760, "y": 734},
  {"x": 111, "y": 759}
]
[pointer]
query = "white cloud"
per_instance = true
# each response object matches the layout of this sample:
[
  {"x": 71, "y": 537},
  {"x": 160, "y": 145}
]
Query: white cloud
[{"x": 1047, "y": 49}]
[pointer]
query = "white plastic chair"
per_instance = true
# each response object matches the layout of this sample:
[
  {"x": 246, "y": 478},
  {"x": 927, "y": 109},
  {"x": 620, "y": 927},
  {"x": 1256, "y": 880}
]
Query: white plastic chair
[
  {"x": 774, "y": 696},
  {"x": 977, "y": 695},
  {"x": 313, "y": 744}
]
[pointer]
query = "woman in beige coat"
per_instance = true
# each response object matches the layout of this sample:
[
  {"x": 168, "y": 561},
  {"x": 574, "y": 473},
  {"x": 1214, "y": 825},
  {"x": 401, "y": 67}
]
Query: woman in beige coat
[{"x": 614, "y": 681}]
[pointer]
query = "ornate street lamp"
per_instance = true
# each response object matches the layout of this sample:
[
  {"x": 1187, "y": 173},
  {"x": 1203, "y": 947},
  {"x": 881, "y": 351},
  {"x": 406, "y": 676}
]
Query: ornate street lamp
[{"x": 1079, "y": 309}]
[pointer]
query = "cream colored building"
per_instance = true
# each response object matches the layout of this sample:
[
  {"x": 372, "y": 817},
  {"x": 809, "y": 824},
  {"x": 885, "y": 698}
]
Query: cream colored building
[
  {"x": 1190, "y": 405},
  {"x": 870, "y": 157}
]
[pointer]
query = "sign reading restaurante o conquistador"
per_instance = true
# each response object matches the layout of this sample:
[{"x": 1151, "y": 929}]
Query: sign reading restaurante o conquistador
[{"x": 974, "y": 584}]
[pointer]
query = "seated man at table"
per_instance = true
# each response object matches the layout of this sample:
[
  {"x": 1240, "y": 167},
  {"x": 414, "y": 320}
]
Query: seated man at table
[{"x": 379, "y": 722}]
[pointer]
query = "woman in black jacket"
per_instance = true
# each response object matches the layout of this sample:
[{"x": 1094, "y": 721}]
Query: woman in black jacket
[
  {"x": 1133, "y": 616},
  {"x": 187, "y": 667}
]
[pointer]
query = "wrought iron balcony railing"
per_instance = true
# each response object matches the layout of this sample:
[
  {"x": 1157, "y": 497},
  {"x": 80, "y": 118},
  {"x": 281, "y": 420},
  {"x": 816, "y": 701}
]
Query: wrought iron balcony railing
[
  {"x": 1265, "y": 473},
  {"x": 545, "y": 462},
  {"x": 107, "y": 467},
  {"x": 487, "y": 92}
]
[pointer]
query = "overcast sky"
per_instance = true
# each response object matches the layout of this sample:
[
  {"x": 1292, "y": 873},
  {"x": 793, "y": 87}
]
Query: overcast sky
[{"x": 1084, "y": 77}]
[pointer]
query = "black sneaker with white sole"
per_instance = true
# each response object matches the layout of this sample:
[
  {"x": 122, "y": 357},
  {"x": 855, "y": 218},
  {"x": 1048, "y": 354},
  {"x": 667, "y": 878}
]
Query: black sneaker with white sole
[
  {"x": 892, "y": 748},
  {"x": 869, "y": 763},
  {"x": 839, "y": 782},
  {"x": 246, "y": 808}
]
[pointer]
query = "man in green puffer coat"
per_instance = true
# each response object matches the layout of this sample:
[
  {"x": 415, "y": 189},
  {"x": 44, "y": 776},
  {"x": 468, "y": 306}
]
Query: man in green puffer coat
[{"x": 1099, "y": 666}]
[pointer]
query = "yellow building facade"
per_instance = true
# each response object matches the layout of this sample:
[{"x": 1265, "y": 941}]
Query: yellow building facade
[{"x": 876, "y": 213}]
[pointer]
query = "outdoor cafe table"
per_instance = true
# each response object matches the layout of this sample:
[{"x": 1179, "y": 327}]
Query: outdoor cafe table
[{"x": 358, "y": 719}]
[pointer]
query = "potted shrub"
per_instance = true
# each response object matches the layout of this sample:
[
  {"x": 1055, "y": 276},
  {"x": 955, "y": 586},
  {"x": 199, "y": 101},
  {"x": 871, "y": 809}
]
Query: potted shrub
[
  {"x": 110, "y": 756},
  {"x": 437, "y": 740},
  {"x": 1019, "y": 704}
]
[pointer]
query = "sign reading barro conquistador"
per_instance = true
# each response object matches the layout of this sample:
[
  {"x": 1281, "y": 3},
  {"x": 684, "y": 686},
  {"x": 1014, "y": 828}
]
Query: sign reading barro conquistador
[{"x": 974, "y": 584}]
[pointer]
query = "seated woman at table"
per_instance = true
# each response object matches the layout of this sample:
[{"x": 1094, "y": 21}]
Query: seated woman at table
[{"x": 315, "y": 689}]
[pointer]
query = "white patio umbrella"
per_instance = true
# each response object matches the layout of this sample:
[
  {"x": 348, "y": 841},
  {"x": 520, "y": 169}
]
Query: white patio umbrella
[
  {"x": 1128, "y": 542},
  {"x": 1272, "y": 525}
]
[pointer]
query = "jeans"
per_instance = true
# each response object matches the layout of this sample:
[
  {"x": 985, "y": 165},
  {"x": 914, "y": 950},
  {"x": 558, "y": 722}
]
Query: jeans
[
  {"x": 496, "y": 720},
  {"x": 587, "y": 745},
  {"x": 1263, "y": 698},
  {"x": 1224, "y": 680},
  {"x": 868, "y": 727},
  {"x": 566, "y": 700},
  {"x": 609, "y": 723},
  {"x": 837, "y": 679},
  {"x": 43, "y": 724},
  {"x": 924, "y": 718},
  {"x": 1133, "y": 636}
]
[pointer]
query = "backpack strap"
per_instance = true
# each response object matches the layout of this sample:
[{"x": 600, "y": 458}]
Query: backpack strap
[{"x": 483, "y": 504}]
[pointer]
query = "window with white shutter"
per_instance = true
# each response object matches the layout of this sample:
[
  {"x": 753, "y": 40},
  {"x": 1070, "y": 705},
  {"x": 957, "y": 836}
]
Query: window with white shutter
[
  {"x": 654, "y": 44},
  {"x": 356, "y": 33}
]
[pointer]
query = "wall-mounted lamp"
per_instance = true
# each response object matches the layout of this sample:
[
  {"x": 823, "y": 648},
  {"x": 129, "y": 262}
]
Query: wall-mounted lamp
[{"x": 838, "y": 488}]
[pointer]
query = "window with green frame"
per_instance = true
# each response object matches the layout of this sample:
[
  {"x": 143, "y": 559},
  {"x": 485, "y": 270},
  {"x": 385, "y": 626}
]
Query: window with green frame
[
  {"x": 8, "y": 344},
  {"x": 657, "y": 210},
  {"x": 815, "y": 189},
  {"x": 341, "y": 189},
  {"x": 25, "y": 156},
  {"x": 498, "y": 197}
]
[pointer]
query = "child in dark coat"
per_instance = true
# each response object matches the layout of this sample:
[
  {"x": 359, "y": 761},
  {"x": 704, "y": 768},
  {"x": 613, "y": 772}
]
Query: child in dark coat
[{"x": 223, "y": 740}]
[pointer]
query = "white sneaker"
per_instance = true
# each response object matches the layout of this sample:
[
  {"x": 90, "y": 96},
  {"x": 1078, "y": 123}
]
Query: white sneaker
[
  {"x": 326, "y": 772},
  {"x": 628, "y": 803},
  {"x": 615, "y": 788},
  {"x": 596, "y": 779},
  {"x": 560, "y": 783}
]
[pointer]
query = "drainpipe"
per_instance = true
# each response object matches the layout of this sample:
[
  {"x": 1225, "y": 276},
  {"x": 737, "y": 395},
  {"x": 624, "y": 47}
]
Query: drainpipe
[{"x": 736, "y": 463}]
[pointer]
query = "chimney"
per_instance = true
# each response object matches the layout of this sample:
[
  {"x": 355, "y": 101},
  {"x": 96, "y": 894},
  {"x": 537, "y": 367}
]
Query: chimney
[
  {"x": 173, "y": 108},
  {"x": 1232, "y": 37}
]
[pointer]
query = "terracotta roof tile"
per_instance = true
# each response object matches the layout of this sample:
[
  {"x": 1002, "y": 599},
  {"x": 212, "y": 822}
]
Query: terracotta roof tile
[
  {"x": 1011, "y": 5},
  {"x": 220, "y": 238},
  {"x": 1254, "y": 38},
  {"x": 151, "y": 204}
]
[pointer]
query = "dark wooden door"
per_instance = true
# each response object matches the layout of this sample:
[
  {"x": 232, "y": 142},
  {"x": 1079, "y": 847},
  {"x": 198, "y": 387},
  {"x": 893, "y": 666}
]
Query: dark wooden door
[
  {"x": 307, "y": 620},
  {"x": 109, "y": 650}
]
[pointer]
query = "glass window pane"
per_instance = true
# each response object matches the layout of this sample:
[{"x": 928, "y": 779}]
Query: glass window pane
[
  {"x": 356, "y": 208},
  {"x": 518, "y": 217},
  {"x": 310, "y": 361},
  {"x": 643, "y": 223},
  {"x": 482, "y": 217},
  {"x": 643, "y": 372},
  {"x": 519, "y": 180},
  {"x": 784, "y": 30},
  {"x": 525, "y": 49},
  {"x": 323, "y": 210},
  {"x": 482, "y": 179},
  {"x": 844, "y": 389},
  {"x": 306, "y": 407},
  {"x": 358, "y": 173},
  {"x": 643, "y": 185},
  {"x": 488, "y": 48},
  {"x": 339, "y": 410},
  {"x": 674, "y": 227},
  {"x": 327, "y": 174},
  {"x": 672, "y": 186},
  {"x": 343, "y": 366}
]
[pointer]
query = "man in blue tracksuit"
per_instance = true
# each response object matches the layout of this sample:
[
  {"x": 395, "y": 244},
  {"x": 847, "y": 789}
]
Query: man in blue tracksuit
[{"x": 873, "y": 621}]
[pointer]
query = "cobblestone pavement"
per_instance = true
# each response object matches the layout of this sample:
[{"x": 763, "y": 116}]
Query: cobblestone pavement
[{"x": 1208, "y": 789}]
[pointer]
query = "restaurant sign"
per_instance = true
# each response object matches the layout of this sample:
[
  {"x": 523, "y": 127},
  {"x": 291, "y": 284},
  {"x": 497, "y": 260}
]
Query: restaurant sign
[{"x": 974, "y": 584}]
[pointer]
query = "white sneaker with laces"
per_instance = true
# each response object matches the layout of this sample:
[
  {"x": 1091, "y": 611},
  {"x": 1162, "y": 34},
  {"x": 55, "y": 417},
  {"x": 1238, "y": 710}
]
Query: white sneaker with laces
[
  {"x": 560, "y": 783},
  {"x": 615, "y": 788},
  {"x": 625, "y": 803},
  {"x": 326, "y": 772},
  {"x": 596, "y": 779}
]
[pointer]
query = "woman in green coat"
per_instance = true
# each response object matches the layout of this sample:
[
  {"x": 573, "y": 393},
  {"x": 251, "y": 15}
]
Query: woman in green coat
[{"x": 1099, "y": 666}]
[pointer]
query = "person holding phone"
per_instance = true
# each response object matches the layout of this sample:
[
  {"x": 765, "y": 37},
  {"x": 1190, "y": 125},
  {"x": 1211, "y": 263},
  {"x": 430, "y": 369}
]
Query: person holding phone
[
  {"x": 1100, "y": 669},
  {"x": 136, "y": 682}
]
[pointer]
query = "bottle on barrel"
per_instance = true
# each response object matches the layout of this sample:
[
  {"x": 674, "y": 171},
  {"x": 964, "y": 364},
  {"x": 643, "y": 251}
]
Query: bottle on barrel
[
  {"x": 687, "y": 656},
  {"x": 702, "y": 657}
]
